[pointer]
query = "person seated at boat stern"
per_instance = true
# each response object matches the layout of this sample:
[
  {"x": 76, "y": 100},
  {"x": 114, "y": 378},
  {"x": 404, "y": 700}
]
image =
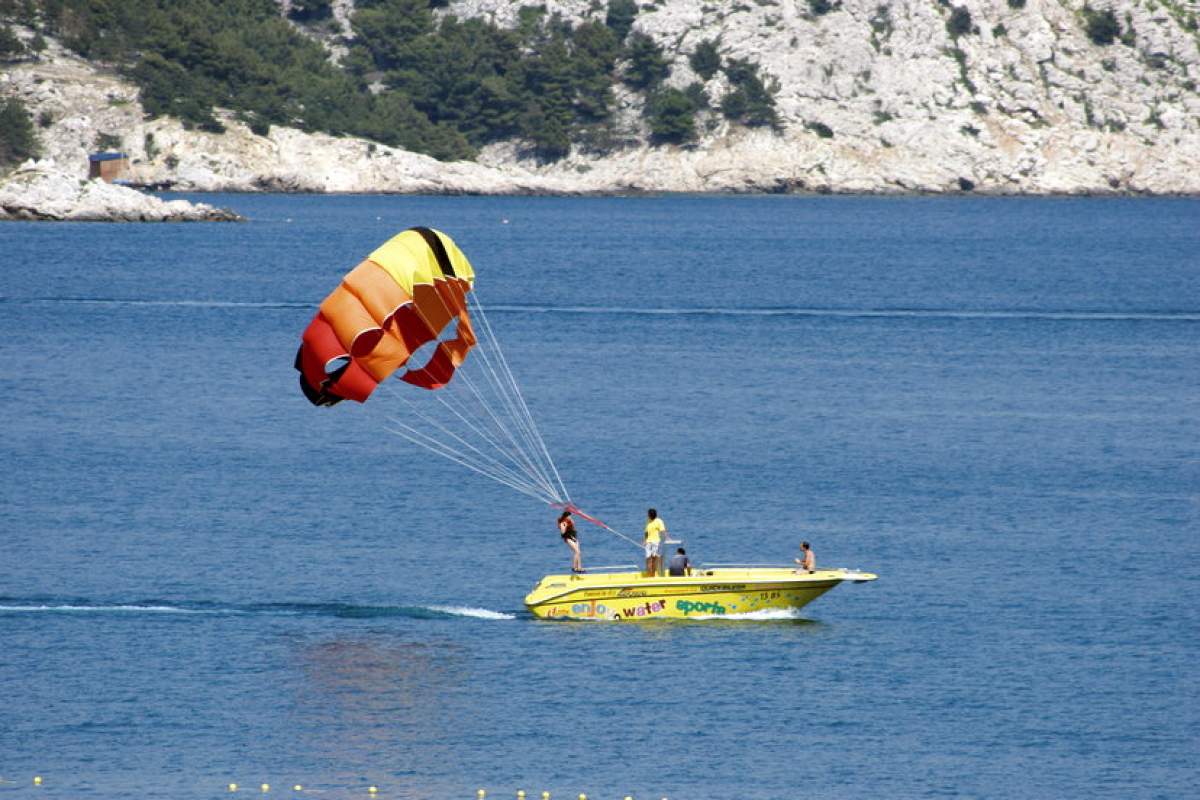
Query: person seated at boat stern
[
  {"x": 655, "y": 528},
  {"x": 809, "y": 564},
  {"x": 566, "y": 528},
  {"x": 679, "y": 564}
]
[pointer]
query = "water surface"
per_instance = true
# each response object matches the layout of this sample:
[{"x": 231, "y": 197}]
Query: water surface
[{"x": 992, "y": 403}]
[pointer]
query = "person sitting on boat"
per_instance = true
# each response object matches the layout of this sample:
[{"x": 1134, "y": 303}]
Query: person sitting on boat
[
  {"x": 566, "y": 527},
  {"x": 655, "y": 528},
  {"x": 809, "y": 563},
  {"x": 679, "y": 564}
]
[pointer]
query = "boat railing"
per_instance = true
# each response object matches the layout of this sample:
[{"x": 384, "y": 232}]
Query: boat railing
[
  {"x": 614, "y": 568},
  {"x": 849, "y": 571},
  {"x": 709, "y": 565}
]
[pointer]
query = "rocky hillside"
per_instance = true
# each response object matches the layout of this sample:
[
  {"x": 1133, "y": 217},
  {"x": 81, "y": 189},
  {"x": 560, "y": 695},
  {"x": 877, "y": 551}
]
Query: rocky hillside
[{"x": 997, "y": 96}]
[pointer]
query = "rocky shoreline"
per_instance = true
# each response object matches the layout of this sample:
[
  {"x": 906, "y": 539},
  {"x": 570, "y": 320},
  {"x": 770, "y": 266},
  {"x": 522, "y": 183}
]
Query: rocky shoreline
[
  {"x": 1024, "y": 104},
  {"x": 43, "y": 192}
]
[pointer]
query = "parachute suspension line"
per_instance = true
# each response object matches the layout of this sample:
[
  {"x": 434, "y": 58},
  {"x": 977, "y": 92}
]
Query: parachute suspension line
[
  {"x": 487, "y": 432},
  {"x": 529, "y": 450},
  {"x": 520, "y": 397},
  {"x": 533, "y": 470},
  {"x": 525, "y": 416},
  {"x": 481, "y": 462},
  {"x": 519, "y": 460},
  {"x": 434, "y": 446}
]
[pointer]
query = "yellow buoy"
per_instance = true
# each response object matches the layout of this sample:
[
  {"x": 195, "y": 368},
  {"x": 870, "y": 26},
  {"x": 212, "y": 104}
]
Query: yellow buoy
[
  {"x": 481, "y": 794},
  {"x": 545, "y": 796},
  {"x": 297, "y": 788},
  {"x": 37, "y": 780},
  {"x": 266, "y": 787},
  {"x": 233, "y": 787},
  {"x": 372, "y": 789},
  {"x": 520, "y": 794}
]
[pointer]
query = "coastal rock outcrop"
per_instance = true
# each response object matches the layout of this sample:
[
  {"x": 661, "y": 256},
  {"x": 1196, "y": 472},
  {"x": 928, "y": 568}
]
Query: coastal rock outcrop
[
  {"x": 41, "y": 191},
  {"x": 987, "y": 96}
]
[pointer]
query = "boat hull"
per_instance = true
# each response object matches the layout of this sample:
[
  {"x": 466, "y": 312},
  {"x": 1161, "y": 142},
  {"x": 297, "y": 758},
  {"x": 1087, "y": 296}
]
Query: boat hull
[{"x": 632, "y": 597}]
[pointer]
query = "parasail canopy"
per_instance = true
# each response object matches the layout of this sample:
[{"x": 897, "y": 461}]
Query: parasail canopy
[
  {"x": 404, "y": 307},
  {"x": 409, "y": 311}
]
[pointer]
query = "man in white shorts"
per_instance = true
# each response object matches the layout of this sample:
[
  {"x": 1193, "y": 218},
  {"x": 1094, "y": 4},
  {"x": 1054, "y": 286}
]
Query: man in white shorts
[{"x": 655, "y": 529}]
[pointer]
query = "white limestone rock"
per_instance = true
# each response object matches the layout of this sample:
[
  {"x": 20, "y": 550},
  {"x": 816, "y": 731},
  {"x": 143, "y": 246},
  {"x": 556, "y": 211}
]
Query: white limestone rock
[
  {"x": 41, "y": 191},
  {"x": 1024, "y": 103}
]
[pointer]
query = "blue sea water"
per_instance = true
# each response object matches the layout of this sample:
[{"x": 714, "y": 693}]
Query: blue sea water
[{"x": 992, "y": 403}]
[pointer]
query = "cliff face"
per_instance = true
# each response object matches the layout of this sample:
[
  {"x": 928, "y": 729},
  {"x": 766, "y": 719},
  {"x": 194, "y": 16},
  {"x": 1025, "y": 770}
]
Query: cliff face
[
  {"x": 872, "y": 97},
  {"x": 1022, "y": 101},
  {"x": 76, "y": 106}
]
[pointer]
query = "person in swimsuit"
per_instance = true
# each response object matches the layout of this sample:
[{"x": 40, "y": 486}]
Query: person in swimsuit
[
  {"x": 809, "y": 564},
  {"x": 566, "y": 527}
]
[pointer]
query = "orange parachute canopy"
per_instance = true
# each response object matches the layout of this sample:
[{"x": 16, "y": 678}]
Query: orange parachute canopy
[{"x": 408, "y": 298}]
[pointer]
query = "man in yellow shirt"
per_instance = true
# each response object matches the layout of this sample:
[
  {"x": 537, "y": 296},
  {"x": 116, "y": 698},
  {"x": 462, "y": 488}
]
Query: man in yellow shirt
[{"x": 655, "y": 529}]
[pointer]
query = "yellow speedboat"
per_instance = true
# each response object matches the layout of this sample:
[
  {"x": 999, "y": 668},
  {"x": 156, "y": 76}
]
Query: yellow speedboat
[{"x": 708, "y": 592}]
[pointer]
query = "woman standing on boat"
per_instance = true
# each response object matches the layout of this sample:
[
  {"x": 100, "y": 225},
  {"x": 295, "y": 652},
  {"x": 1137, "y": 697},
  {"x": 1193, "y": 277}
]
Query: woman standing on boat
[{"x": 566, "y": 527}]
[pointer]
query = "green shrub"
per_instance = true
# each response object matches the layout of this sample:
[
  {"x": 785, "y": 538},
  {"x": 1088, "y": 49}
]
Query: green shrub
[
  {"x": 750, "y": 102},
  {"x": 1101, "y": 26},
  {"x": 705, "y": 60},
  {"x": 310, "y": 10},
  {"x": 820, "y": 8},
  {"x": 959, "y": 23},
  {"x": 620, "y": 16},
  {"x": 672, "y": 117},
  {"x": 546, "y": 133},
  {"x": 17, "y": 139},
  {"x": 1016, "y": 4},
  {"x": 647, "y": 66},
  {"x": 11, "y": 47}
]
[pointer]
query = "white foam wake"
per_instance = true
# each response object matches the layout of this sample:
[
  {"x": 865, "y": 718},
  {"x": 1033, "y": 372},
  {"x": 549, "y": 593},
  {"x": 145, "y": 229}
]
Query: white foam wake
[
  {"x": 765, "y": 614},
  {"x": 478, "y": 613},
  {"x": 104, "y": 609}
]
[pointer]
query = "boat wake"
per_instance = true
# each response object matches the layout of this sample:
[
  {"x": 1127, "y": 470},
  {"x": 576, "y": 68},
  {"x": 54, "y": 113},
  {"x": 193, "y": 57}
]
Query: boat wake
[
  {"x": 340, "y": 610},
  {"x": 768, "y": 614},
  {"x": 74, "y": 608},
  {"x": 478, "y": 613}
]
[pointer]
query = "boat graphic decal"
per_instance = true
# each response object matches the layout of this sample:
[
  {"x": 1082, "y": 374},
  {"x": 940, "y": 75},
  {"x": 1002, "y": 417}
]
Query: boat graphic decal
[
  {"x": 645, "y": 609},
  {"x": 693, "y": 607}
]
